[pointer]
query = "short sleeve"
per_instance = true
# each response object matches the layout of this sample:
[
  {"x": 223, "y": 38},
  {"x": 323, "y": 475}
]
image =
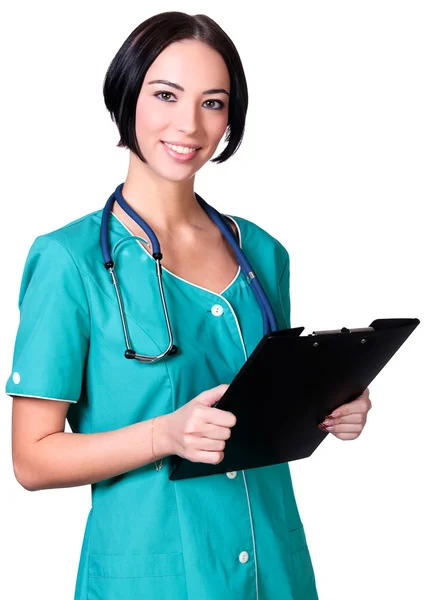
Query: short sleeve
[
  {"x": 53, "y": 334},
  {"x": 284, "y": 290}
]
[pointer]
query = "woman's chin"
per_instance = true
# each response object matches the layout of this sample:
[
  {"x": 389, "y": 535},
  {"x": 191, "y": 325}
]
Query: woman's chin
[{"x": 176, "y": 174}]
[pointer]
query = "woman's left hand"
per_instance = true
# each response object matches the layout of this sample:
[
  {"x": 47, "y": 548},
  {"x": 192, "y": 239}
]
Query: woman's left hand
[{"x": 348, "y": 420}]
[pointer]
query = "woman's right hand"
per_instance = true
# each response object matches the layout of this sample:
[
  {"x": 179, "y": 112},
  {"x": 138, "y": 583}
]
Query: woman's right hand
[{"x": 199, "y": 432}]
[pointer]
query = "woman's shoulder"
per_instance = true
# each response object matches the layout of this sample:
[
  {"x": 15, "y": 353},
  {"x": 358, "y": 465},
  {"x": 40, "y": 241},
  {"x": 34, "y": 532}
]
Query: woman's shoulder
[
  {"x": 78, "y": 238},
  {"x": 79, "y": 233},
  {"x": 257, "y": 240}
]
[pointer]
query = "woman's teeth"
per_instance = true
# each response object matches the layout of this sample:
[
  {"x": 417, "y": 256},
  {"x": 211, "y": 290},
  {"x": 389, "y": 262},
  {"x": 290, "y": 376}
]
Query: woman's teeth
[{"x": 180, "y": 149}]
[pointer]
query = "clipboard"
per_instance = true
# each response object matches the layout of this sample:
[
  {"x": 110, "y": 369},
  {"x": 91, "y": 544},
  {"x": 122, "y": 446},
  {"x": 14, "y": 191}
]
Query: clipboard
[{"x": 289, "y": 384}]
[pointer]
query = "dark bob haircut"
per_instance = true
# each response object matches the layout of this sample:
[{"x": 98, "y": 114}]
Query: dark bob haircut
[{"x": 127, "y": 70}]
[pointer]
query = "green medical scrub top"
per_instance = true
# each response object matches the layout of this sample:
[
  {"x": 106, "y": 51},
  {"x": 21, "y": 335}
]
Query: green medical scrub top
[{"x": 229, "y": 536}]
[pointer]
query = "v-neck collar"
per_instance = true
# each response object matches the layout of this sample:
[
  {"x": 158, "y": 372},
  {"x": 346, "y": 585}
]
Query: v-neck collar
[{"x": 150, "y": 257}]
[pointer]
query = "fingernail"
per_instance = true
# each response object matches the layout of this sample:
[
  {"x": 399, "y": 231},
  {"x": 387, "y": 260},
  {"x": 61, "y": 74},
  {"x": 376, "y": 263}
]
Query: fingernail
[
  {"x": 334, "y": 415},
  {"x": 321, "y": 426},
  {"x": 328, "y": 421},
  {"x": 329, "y": 428}
]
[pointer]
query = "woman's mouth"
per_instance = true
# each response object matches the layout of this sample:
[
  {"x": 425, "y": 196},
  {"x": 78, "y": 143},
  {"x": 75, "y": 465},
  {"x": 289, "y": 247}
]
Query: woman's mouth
[{"x": 180, "y": 153}]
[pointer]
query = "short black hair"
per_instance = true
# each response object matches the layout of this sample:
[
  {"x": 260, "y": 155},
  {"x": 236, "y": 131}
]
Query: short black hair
[{"x": 127, "y": 70}]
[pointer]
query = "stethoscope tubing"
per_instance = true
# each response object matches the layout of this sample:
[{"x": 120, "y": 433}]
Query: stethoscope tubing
[{"x": 268, "y": 316}]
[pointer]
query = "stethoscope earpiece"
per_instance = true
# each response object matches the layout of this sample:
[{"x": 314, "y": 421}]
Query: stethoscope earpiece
[{"x": 132, "y": 354}]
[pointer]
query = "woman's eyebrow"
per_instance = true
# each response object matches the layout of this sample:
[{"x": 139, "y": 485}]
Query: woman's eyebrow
[{"x": 179, "y": 87}]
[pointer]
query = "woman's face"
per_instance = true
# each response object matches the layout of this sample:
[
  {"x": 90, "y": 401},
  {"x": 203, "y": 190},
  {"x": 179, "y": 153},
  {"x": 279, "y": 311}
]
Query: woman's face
[{"x": 183, "y": 105}]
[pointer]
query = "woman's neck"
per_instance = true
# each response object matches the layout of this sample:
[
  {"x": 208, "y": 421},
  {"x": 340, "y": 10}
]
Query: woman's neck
[{"x": 165, "y": 205}]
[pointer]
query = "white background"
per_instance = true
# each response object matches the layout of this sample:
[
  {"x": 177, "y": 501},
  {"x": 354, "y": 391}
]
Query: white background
[{"x": 337, "y": 164}]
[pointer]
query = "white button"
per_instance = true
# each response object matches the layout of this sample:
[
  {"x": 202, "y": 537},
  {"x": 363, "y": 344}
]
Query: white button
[
  {"x": 217, "y": 310},
  {"x": 16, "y": 378},
  {"x": 243, "y": 557},
  {"x": 231, "y": 474}
]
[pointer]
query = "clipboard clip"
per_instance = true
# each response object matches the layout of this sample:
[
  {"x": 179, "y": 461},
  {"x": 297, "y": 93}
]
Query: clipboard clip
[{"x": 343, "y": 330}]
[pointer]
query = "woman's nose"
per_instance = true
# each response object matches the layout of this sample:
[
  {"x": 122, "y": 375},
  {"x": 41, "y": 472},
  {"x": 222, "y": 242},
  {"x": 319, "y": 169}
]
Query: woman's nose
[{"x": 187, "y": 118}]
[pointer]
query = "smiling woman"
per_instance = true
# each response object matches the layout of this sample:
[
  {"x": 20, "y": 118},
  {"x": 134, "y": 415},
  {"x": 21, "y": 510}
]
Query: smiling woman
[
  {"x": 147, "y": 54},
  {"x": 175, "y": 88},
  {"x": 198, "y": 114}
]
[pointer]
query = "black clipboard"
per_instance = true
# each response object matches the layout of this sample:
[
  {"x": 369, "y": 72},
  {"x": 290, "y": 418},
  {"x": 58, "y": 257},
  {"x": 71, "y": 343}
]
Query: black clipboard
[{"x": 289, "y": 384}]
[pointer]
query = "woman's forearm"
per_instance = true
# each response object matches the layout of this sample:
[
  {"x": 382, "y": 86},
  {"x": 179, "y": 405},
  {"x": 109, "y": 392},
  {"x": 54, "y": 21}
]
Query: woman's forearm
[{"x": 72, "y": 459}]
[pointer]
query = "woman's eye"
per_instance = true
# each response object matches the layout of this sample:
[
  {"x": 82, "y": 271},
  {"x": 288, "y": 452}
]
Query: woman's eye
[
  {"x": 170, "y": 97},
  {"x": 220, "y": 104},
  {"x": 163, "y": 96}
]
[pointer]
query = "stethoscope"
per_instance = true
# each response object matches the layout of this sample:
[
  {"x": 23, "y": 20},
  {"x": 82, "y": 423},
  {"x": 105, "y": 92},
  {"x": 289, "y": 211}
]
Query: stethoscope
[{"x": 269, "y": 319}]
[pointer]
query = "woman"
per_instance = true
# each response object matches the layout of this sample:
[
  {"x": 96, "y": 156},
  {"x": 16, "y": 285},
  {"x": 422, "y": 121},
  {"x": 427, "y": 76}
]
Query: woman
[{"x": 174, "y": 88}]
